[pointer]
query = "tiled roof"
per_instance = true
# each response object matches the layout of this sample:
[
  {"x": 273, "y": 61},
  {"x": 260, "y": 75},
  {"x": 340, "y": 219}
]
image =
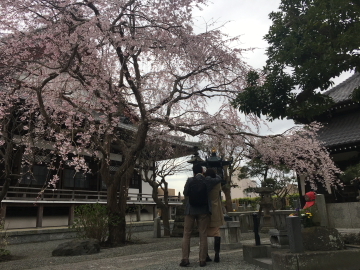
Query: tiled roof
[
  {"x": 342, "y": 130},
  {"x": 343, "y": 91}
]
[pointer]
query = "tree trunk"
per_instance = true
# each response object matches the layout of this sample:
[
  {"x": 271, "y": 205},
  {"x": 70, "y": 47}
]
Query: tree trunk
[
  {"x": 165, "y": 209},
  {"x": 228, "y": 202},
  {"x": 163, "y": 205},
  {"x": 117, "y": 202},
  {"x": 166, "y": 219},
  {"x": 227, "y": 189},
  {"x": 4, "y": 188},
  {"x": 117, "y": 224}
]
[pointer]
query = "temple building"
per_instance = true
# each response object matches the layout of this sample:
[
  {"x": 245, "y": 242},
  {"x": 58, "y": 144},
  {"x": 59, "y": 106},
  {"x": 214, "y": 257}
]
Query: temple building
[
  {"x": 341, "y": 136},
  {"x": 28, "y": 205}
]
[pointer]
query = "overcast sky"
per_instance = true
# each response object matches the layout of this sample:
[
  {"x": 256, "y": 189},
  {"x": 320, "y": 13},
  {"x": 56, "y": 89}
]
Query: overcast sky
[
  {"x": 250, "y": 20},
  {"x": 245, "y": 18}
]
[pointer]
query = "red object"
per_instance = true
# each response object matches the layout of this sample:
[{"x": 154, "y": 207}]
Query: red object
[{"x": 311, "y": 199}]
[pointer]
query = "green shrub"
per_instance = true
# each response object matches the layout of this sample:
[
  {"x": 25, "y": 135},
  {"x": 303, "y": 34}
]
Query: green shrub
[
  {"x": 248, "y": 201},
  {"x": 91, "y": 221},
  {"x": 293, "y": 200},
  {"x": 290, "y": 201}
]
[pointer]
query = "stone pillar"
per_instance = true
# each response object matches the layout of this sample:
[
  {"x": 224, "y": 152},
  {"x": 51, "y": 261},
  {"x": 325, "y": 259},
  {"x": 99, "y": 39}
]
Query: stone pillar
[
  {"x": 39, "y": 216},
  {"x": 138, "y": 213},
  {"x": 256, "y": 229},
  {"x": 178, "y": 228},
  {"x": 71, "y": 215},
  {"x": 230, "y": 236},
  {"x": 235, "y": 207},
  {"x": 294, "y": 233},
  {"x": 157, "y": 227},
  {"x": 322, "y": 211}
]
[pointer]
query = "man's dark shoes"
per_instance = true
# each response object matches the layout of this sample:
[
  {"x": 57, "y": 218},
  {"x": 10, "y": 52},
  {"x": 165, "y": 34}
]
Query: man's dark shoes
[
  {"x": 184, "y": 263},
  {"x": 202, "y": 263}
]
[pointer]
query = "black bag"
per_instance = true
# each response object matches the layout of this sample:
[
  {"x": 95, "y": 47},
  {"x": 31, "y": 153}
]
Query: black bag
[{"x": 198, "y": 195}]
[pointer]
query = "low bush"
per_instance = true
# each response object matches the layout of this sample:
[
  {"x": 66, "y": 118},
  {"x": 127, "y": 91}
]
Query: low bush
[{"x": 91, "y": 221}]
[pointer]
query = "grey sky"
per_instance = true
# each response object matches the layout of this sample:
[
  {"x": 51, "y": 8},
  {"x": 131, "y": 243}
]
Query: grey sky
[
  {"x": 245, "y": 18},
  {"x": 248, "y": 19}
]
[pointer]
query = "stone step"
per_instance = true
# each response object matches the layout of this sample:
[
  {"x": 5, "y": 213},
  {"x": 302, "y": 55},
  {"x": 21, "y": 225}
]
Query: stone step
[{"x": 264, "y": 263}]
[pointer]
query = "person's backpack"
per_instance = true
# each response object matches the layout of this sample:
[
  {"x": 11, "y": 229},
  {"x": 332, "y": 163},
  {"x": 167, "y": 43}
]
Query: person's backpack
[{"x": 198, "y": 195}]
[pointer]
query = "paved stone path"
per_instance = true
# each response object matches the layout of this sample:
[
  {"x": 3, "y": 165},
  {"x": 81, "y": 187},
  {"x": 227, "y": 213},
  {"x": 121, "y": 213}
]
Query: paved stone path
[
  {"x": 157, "y": 260},
  {"x": 149, "y": 253}
]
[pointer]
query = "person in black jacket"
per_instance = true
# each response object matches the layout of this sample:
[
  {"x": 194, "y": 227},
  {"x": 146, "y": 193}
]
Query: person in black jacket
[{"x": 199, "y": 213}]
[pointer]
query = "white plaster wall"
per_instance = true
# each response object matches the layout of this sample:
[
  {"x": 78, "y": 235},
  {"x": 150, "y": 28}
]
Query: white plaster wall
[
  {"x": 238, "y": 192},
  {"x": 143, "y": 217},
  {"x": 60, "y": 221},
  {"x": 30, "y": 222},
  {"x": 146, "y": 188}
]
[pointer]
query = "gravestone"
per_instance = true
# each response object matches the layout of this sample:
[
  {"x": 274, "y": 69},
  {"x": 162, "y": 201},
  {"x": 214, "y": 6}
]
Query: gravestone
[
  {"x": 244, "y": 224},
  {"x": 293, "y": 224},
  {"x": 157, "y": 227},
  {"x": 230, "y": 236},
  {"x": 321, "y": 215},
  {"x": 178, "y": 228}
]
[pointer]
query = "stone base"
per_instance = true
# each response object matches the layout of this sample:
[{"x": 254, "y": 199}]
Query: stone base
[
  {"x": 258, "y": 255},
  {"x": 252, "y": 252},
  {"x": 230, "y": 235},
  {"x": 322, "y": 239},
  {"x": 279, "y": 239},
  {"x": 223, "y": 244},
  {"x": 281, "y": 259},
  {"x": 315, "y": 260}
]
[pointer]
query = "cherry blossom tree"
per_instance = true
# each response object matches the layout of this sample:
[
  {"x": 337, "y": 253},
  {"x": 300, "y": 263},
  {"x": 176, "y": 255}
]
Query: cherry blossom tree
[
  {"x": 156, "y": 169},
  {"x": 10, "y": 151},
  {"x": 297, "y": 149},
  {"x": 232, "y": 140},
  {"x": 102, "y": 78},
  {"x": 77, "y": 69}
]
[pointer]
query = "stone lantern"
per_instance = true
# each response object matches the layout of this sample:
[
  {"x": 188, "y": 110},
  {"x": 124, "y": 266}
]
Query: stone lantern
[
  {"x": 213, "y": 162},
  {"x": 266, "y": 204}
]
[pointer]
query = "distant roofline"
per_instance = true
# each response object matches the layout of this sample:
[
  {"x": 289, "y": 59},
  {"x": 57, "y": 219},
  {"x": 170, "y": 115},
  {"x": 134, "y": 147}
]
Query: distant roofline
[{"x": 342, "y": 92}]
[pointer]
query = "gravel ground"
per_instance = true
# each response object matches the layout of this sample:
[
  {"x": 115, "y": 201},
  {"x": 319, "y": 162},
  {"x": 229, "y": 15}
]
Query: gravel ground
[{"x": 146, "y": 252}]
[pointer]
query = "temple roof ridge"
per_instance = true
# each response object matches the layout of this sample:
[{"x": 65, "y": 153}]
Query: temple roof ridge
[{"x": 343, "y": 91}]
